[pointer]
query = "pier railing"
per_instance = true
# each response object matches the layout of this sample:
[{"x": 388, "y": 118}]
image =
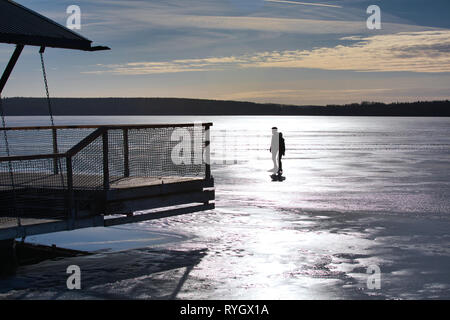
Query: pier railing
[{"x": 47, "y": 165}]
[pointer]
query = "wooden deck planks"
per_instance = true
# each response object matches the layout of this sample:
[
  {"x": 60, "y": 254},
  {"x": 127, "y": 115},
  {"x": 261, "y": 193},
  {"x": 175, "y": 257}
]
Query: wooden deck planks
[
  {"x": 12, "y": 222},
  {"x": 83, "y": 181}
]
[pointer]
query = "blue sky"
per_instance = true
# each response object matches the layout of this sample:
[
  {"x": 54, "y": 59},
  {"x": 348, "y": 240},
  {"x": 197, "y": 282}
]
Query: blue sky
[{"x": 309, "y": 52}]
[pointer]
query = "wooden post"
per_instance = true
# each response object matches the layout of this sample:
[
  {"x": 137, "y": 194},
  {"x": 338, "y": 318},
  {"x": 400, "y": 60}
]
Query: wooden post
[
  {"x": 105, "y": 160},
  {"x": 55, "y": 150},
  {"x": 207, "y": 153},
  {"x": 126, "y": 154}
]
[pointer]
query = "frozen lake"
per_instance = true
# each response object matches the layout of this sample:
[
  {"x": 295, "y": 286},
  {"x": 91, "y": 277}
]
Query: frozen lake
[{"x": 359, "y": 192}]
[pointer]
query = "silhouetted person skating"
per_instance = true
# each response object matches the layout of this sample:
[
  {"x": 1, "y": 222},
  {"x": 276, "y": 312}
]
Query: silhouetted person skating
[{"x": 278, "y": 149}]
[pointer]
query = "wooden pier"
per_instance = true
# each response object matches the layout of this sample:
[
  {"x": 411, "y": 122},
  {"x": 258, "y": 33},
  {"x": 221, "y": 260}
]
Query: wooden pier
[
  {"x": 106, "y": 175},
  {"x": 59, "y": 178}
]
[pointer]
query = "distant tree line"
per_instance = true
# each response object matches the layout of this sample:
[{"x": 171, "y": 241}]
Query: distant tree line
[{"x": 178, "y": 106}]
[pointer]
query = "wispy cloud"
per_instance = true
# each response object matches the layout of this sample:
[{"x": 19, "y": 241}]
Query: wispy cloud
[
  {"x": 309, "y": 26},
  {"x": 305, "y": 3},
  {"x": 413, "y": 51},
  {"x": 278, "y": 16},
  {"x": 175, "y": 66}
]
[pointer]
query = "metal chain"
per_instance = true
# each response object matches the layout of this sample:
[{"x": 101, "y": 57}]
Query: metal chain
[
  {"x": 5, "y": 137},
  {"x": 50, "y": 111},
  {"x": 46, "y": 88},
  {"x": 8, "y": 153}
]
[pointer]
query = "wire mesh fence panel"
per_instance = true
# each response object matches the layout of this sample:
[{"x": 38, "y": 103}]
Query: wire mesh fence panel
[
  {"x": 32, "y": 188},
  {"x": 116, "y": 154},
  {"x": 67, "y": 138},
  {"x": 28, "y": 142},
  {"x": 32, "y": 173},
  {"x": 168, "y": 151},
  {"x": 87, "y": 166},
  {"x": 41, "y": 141},
  {"x": 35, "y": 183},
  {"x": 145, "y": 158}
]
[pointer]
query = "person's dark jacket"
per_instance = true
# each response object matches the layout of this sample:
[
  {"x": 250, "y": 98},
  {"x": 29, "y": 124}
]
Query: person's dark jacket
[{"x": 282, "y": 146}]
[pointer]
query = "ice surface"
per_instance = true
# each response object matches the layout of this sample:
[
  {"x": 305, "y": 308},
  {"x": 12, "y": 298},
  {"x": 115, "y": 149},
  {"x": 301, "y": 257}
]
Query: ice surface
[{"x": 358, "y": 192}]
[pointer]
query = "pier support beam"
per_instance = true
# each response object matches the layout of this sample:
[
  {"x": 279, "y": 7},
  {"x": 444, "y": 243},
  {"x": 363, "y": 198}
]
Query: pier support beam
[
  {"x": 8, "y": 257},
  {"x": 9, "y": 68}
]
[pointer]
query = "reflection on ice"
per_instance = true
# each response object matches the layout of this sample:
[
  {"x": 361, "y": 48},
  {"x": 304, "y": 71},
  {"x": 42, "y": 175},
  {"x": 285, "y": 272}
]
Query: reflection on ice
[{"x": 358, "y": 192}]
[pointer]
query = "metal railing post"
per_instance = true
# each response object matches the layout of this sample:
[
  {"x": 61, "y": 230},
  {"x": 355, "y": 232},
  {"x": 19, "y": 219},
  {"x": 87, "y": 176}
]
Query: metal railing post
[
  {"x": 126, "y": 154},
  {"x": 55, "y": 150},
  {"x": 105, "y": 160},
  {"x": 207, "y": 153}
]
